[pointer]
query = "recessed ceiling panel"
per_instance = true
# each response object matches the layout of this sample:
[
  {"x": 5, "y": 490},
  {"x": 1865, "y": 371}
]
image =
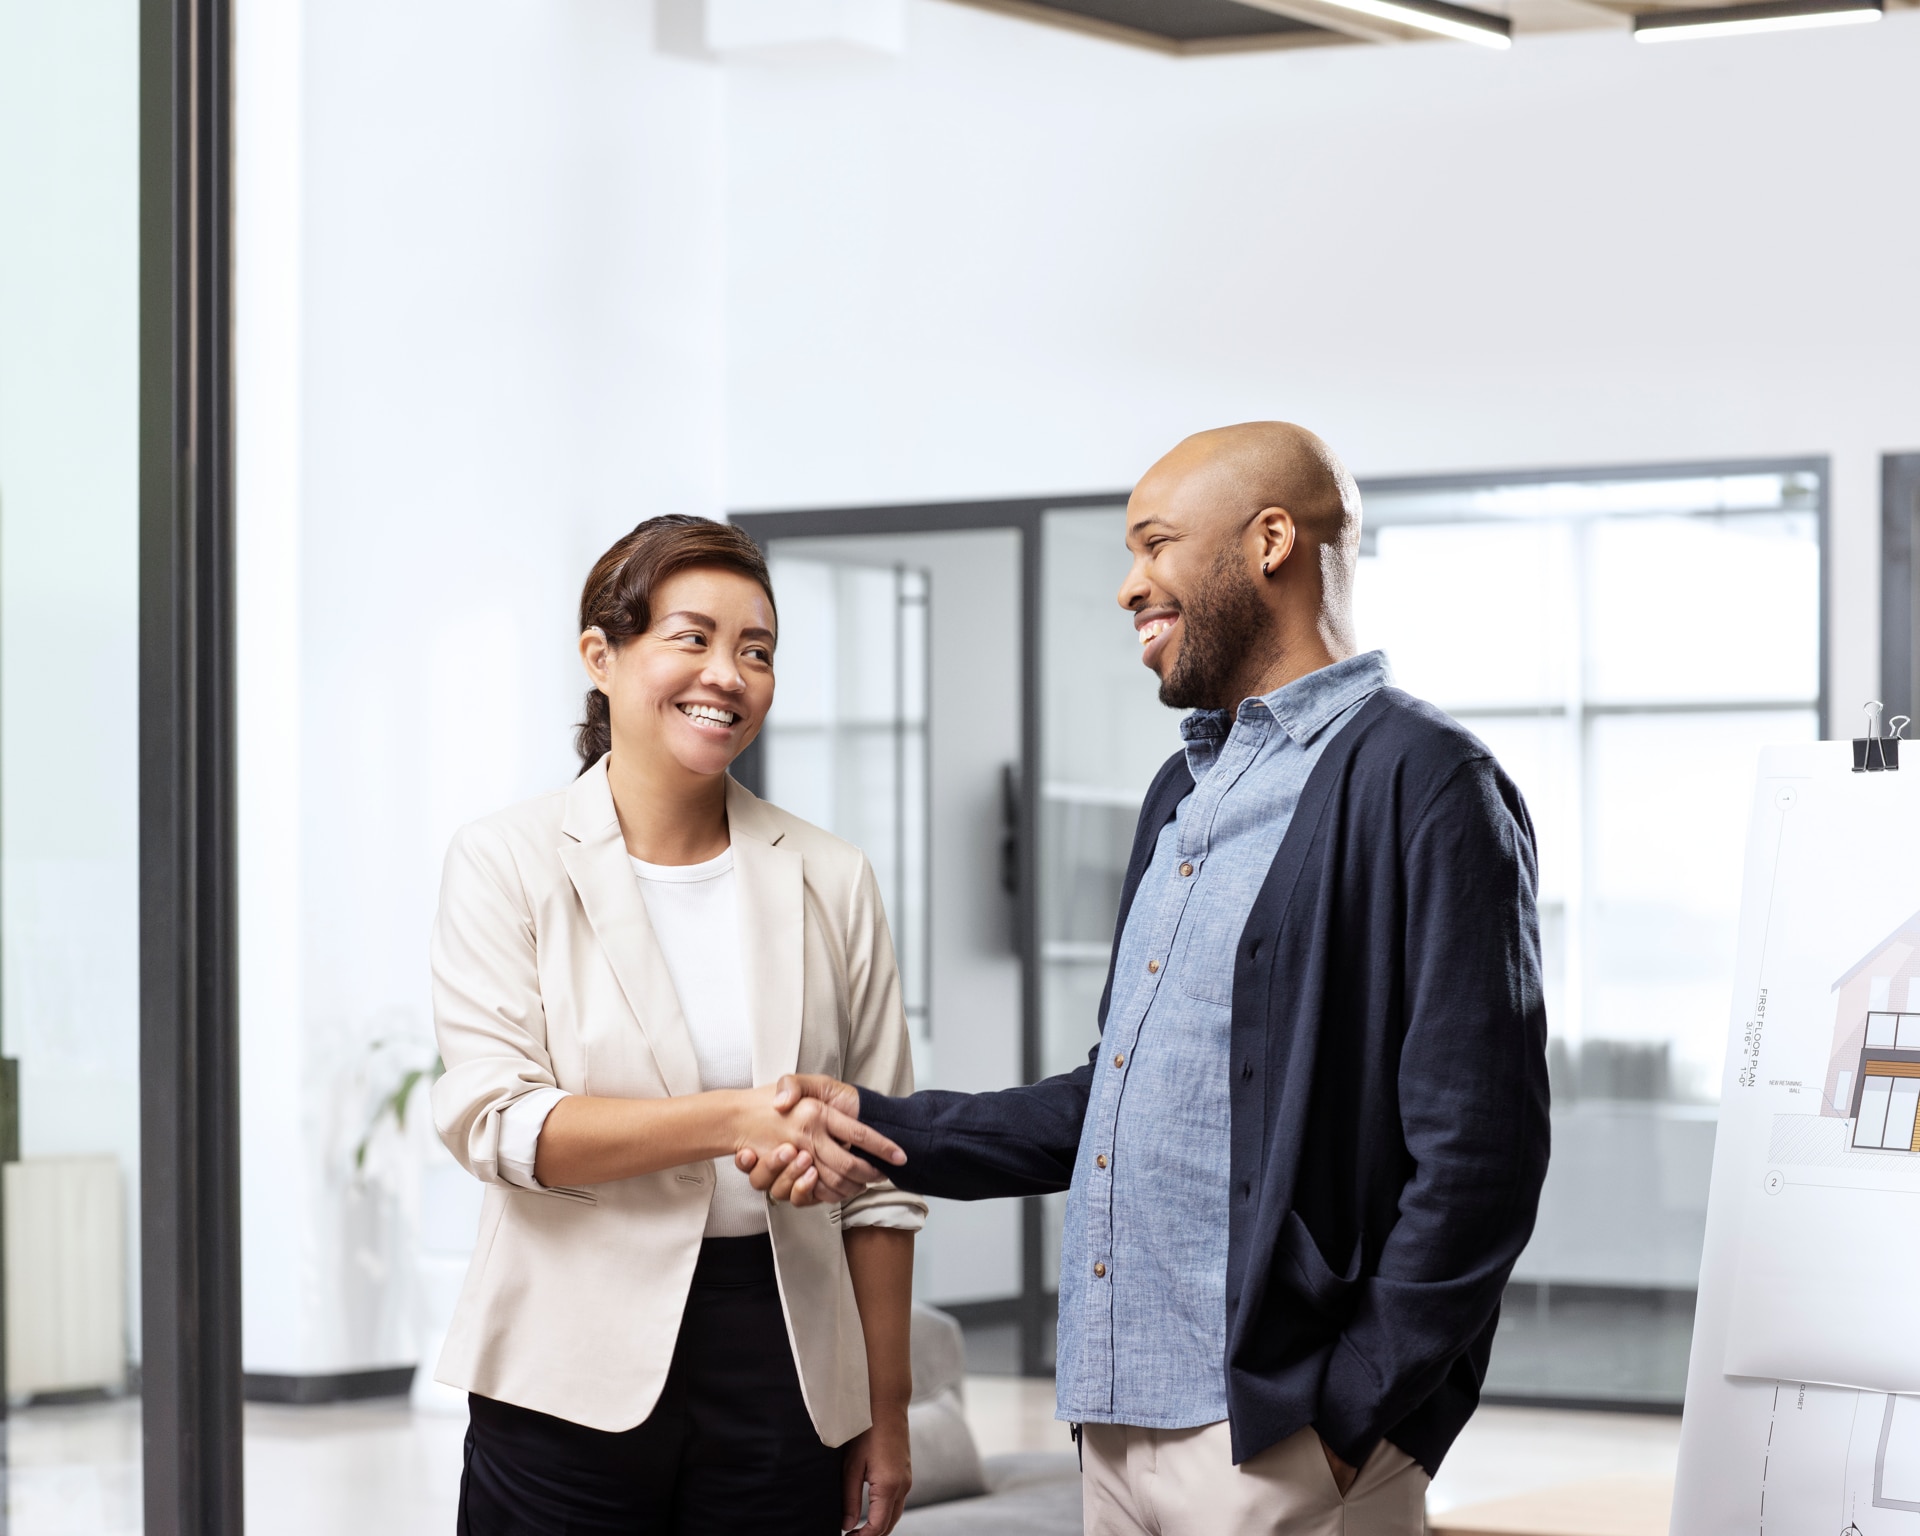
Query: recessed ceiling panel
[{"x": 1184, "y": 21}]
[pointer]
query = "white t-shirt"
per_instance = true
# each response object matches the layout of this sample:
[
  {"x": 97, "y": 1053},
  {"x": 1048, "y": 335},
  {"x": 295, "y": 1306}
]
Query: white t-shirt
[{"x": 696, "y": 920}]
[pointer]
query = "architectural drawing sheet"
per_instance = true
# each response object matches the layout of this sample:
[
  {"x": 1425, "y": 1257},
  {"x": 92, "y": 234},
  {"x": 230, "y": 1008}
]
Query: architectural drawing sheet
[{"x": 1795, "y": 1419}]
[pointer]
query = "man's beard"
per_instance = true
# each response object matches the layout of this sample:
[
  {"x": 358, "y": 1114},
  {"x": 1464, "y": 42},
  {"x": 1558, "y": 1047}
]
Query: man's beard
[{"x": 1224, "y": 626}]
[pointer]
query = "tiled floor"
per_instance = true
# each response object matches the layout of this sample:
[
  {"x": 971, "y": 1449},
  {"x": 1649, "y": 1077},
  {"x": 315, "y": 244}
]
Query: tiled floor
[
  {"x": 73, "y": 1471},
  {"x": 372, "y": 1469},
  {"x": 377, "y": 1469},
  {"x": 1505, "y": 1451}
]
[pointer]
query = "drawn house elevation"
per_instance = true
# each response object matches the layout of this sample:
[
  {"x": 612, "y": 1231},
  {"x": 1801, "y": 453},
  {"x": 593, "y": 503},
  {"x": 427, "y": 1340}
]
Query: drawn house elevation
[{"x": 1873, "y": 1077}]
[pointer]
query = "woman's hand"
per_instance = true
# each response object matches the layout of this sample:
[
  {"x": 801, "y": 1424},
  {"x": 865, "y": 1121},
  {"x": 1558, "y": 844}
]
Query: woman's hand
[
  {"x": 777, "y": 1127},
  {"x": 882, "y": 1460},
  {"x": 788, "y": 1172}
]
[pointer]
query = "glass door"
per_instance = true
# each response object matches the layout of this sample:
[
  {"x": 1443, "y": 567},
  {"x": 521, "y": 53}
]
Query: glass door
[
  {"x": 1104, "y": 734},
  {"x": 847, "y": 744},
  {"x": 967, "y": 704},
  {"x": 897, "y": 725}
]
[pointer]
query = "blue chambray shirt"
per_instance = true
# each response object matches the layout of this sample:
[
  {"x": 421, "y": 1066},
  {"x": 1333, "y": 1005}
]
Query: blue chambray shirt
[{"x": 1143, "y": 1264}]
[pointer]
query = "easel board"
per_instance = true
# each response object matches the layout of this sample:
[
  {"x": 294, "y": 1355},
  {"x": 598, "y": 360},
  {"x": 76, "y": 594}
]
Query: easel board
[{"x": 1807, "y": 1327}]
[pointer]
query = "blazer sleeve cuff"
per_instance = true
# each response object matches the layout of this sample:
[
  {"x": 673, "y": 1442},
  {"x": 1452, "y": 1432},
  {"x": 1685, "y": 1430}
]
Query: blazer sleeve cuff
[
  {"x": 882, "y": 1205},
  {"x": 520, "y": 1125}
]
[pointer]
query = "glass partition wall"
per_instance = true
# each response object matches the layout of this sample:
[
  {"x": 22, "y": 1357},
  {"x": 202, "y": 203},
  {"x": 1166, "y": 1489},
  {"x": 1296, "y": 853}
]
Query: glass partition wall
[
  {"x": 69, "y": 765},
  {"x": 1623, "y": 640}
]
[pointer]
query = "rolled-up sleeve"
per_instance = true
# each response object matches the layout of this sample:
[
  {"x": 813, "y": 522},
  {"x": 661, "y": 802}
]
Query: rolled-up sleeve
[
  {"x": 879, "y": 1054},
  {"x": 520, "y": 1127},
  {"x": 487, "y": 1013}
]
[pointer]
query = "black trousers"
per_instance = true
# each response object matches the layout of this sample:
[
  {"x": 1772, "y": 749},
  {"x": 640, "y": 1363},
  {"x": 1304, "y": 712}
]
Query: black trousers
[{"x": 728, "y": 1451}]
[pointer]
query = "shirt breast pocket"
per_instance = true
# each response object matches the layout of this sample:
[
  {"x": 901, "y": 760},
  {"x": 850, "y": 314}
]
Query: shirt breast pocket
[{"x": 1203, "y": 961}]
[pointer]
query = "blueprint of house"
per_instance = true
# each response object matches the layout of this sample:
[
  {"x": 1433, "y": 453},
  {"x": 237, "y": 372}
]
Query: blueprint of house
[
  {"x": 1804, "y": 1242},
  {"x": 1839, "y": 1461}
]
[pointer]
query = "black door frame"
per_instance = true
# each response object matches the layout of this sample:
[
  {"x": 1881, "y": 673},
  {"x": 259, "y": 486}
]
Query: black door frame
[
  {"x": 1024, "y": 517},
  {"x": 189, "y": 991}
]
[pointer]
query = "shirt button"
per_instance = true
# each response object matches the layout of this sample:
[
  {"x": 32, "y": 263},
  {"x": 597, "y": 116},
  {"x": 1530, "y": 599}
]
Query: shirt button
[
  {"x": 1186, "y": 869},
  {"x": 1119, "y": 1059},
  {"x": 1153, "y": 967},
  {"x": 1100, "y": 1161},
  {"x": 1099, "y": 1271}
]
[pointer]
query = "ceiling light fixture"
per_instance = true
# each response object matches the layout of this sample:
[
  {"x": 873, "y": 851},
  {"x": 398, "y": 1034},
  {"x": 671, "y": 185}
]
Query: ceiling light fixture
[
  {"x": 1730, "y": 21},
  {"x": 1455, "y": 21}
]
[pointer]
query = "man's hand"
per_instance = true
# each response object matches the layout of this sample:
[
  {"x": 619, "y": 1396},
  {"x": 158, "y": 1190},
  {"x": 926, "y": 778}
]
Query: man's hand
[
  {"x": 791, "y": 1127},
  {"x": 881, "y": 1459},
  {"x": 1343, "y": 1475},
  {"x": 797, "y": 1172}
]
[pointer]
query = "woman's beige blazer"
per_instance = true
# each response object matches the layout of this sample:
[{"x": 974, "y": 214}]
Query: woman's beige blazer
[{"x": 546, "y": 974}]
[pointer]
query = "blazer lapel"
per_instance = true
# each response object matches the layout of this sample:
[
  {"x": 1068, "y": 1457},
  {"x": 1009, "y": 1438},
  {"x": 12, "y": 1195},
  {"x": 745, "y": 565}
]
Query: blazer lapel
[
  {"x": 770, "y": 886},
  {"x": 595, "y": 856}
]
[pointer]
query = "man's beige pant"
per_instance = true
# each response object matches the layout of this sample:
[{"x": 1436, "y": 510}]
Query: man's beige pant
[{"x": 1182, "y": 1482}]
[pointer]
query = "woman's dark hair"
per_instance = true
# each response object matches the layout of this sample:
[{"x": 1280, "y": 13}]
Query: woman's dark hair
[{"x": 618, "y": 597}]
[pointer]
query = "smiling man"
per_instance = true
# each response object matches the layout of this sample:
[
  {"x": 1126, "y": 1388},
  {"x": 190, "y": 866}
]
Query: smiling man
[{"x": 1309, "y": 1146}]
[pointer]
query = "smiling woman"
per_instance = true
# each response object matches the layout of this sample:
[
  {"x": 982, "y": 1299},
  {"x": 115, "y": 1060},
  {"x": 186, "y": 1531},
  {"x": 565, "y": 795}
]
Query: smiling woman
[
  {"x": 615, "y": 968},
  {"x": 670, "y": 584}
]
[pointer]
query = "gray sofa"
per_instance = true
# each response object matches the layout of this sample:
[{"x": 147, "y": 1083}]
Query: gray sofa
[{"x": 955, "y": 1492}]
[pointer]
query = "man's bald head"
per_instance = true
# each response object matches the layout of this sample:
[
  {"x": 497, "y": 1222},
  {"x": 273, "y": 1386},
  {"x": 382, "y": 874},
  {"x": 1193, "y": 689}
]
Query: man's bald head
[
  {"x": 1245, "y": 541},
  {"x": 1233, "y": 473}
]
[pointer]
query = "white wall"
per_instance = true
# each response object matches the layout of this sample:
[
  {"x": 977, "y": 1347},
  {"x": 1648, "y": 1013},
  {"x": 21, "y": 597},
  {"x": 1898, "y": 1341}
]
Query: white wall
[
  {"x": 1018, "y": 260},
  {"x": 479, "y": 252}
]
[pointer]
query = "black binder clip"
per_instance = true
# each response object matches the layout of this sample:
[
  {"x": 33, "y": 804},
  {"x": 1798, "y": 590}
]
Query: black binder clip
[{"x": 1876, "y": 752}]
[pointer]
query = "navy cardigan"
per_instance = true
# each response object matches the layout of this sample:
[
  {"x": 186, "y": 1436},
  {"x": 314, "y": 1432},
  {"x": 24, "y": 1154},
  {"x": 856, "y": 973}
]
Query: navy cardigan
[{"x": 1389, "y": 1092}]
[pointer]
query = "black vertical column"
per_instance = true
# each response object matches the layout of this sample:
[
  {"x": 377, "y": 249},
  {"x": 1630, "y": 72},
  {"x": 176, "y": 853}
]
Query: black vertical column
[
  {"x": 1035, "y": 1320},
  {"x": 189, "y": 1094},
  {"x": 9, "y": 1153}
]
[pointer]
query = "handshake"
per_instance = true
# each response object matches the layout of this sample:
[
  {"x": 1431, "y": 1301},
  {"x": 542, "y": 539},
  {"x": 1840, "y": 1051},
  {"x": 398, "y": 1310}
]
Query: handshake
[{"x": 802, "y": 1150}]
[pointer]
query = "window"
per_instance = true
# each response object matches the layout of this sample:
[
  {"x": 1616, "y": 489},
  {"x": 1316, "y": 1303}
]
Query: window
[
  {"x": 1889, "y": 1095},
  {"x": 1625, "y": 643}
]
